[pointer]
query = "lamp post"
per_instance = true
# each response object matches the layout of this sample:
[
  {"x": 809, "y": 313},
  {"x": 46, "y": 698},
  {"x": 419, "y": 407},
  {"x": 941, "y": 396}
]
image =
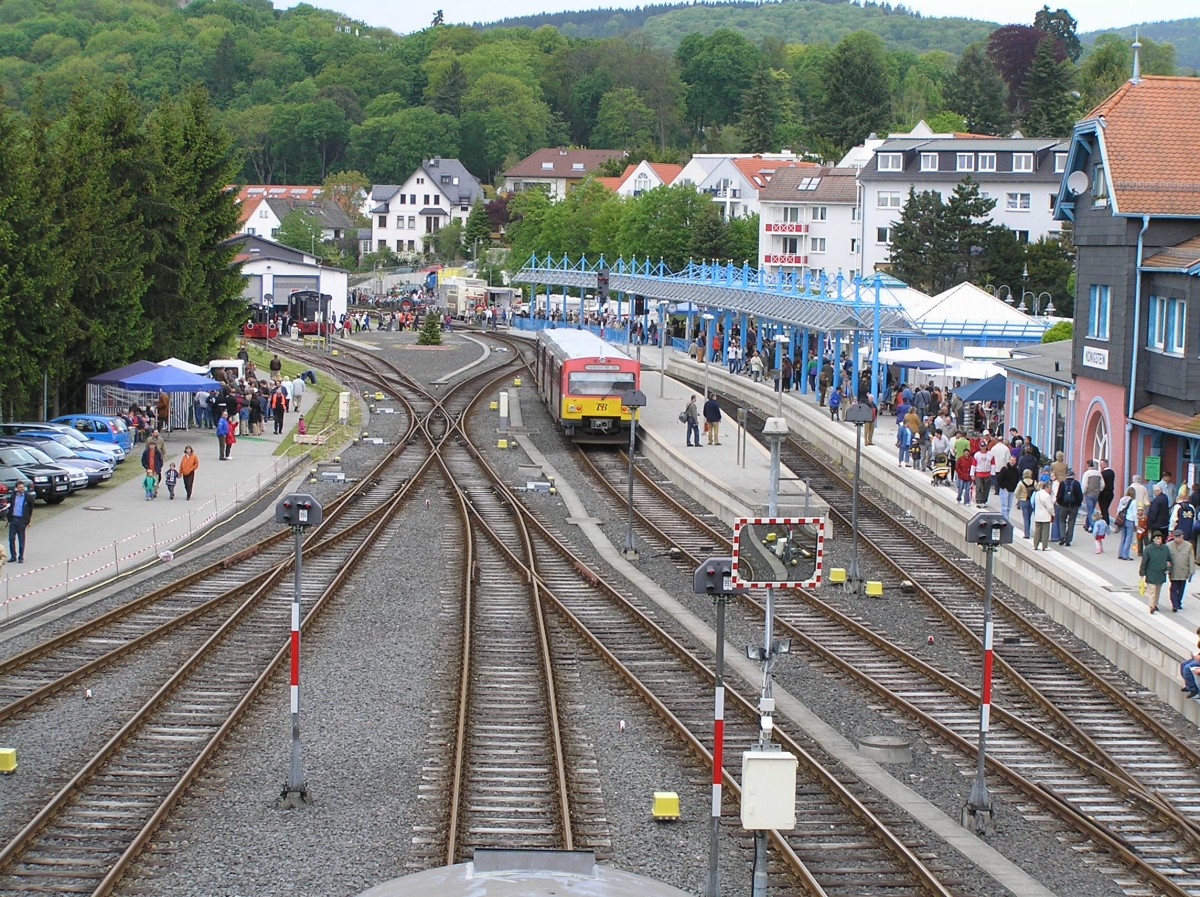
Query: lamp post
[
  {"x": 632, "y": 399},
  {"x": 1048, "y": 309},
  {"x": 708, "y": 318},
  {"x": 662, "y": 339},
  {"x": 858, "y": 414}
]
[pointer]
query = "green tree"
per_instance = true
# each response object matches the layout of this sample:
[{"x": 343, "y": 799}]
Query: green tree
[
  {"x": 1110, "y": 64},
  {"x": 937, "y": 245},
  {"x": 1058, "y": 332},
  {"x": 477, "y": 232},
  {"x": 978, "y": 93},
  {"x": 766, "y": 111},
  {"x": 1061, "y": 24},
  {"x": 389, "y": 149},
  {"x": 1002, "y": 261},
  {"x": 1050, "y": 104},
  {"x": 658, "y": 224},
  {"x": 717, "y": 69},
  {"x": 346, "y": 189},
  {"x": 742, "y": 243},
  {"x": 709, "y": 238},
  {"x": 623, "y": 120},
  {"x": 1049, "y": 265},
  {"x": 446, "y": 94},
  {"x": 301, "y": 230},
  {"x": 193, "y": 302},
  {"x": 104, "y": 175},
  {"x": 431, "y": 331},
  {"x": 447, "y": 242},
  {"x": 858, "y": 91}
]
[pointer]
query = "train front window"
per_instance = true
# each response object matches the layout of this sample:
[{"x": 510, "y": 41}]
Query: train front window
[{"x": 599, "y": 383}]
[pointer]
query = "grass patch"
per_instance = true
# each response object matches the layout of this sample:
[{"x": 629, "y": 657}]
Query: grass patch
[{"x": 320, "y": 406}]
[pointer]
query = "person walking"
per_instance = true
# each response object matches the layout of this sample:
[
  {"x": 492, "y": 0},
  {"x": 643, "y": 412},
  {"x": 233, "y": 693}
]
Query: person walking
[
  {"x": 1099, "y": 530},
  {"x": 712, "y": 417},
  {"x": 152, "y": 463},
  {"x": 223, "y": 433},
  {"x": 1024, "y": 494},
  {"x": 1156, "y": 564},
  {"x": 171, "y": 477},
  {"x": 278, "y": 403},
  {"x": 869, "y": 426},
  {"x": 297, "y": 393},
  {"x": 1182, "y": 567},
  {"x": 982, "y": 473},
  {"x": 1091, "y": 483},
  {"x": 20, "y": 516},
  {"x": 1008, "y": 478},
  {"x": 1109, "y": 491},
  {"x": 1158, "y": 512},
  {"x": 1183, "y": 515},
  {"x": 1125, "y": 522},
  {"x": 691, "y": 417},
  {"x": 1043, "y": 513},
  {"x": 187, "y": 470},
  {"x": 1068, "y": 500}
]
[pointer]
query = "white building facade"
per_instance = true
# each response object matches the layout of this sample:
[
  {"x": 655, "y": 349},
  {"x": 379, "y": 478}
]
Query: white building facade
[
  {"x": 809, "y": 222},
  {"x": 1021, "y": 174},
  {"x": 437, "y": 193}
]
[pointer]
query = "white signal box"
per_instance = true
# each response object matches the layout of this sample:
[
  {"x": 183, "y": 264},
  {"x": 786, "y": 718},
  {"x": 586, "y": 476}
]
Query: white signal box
[{"x": 768, "y": 790}]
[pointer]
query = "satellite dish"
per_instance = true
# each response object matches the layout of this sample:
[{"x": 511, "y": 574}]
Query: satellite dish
[{"x": 1077, "y": 182}]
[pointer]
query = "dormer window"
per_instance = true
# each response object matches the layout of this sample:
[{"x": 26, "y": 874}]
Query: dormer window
[
  {"x": 891, "y": 162},
  {"x": 1023, "y": 162},
  {"x": 964, "y": 162},
  {"x": 1060, "y": 163},
  {"x": 987, "y": 162},
  {"x": 577, "y": 166},
  {"x": 929, "y": 161},
  {"x": 547, "y": 166}
]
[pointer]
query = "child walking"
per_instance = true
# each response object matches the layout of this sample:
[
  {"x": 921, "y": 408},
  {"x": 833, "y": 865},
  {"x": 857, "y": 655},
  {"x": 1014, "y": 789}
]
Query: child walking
[
  {"x": 1099, "y": 530},
  {"x": 149, "y": 483},
  {"x": 171, "y": 477}
]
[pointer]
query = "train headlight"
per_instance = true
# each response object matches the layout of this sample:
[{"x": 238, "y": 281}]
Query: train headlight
[{"x": 572, "y": 409}]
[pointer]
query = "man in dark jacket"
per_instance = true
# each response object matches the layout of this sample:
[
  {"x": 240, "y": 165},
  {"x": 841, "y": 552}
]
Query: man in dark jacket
[
  {"x": 1158, "y": 513},
  {"x": 20, "y": 515},
  {"x": 1067, "y": 502},
  {"x": 1028, "y": 460},
  {"x": 1008, "y": 478},
  {"x": 712, "y": 416}
]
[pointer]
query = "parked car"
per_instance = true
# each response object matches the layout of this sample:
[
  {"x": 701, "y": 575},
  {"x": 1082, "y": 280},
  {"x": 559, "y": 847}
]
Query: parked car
[
  {"x": 76, "y": 476},
  {"x": 25, "y": 427},
  {"x": 51, "y": 483},
  {"x": 99, "y": 427},
  {"x": 97, "y": 470},
  {"x": 10, "y": 476},
  {"x": 84, "y": 448}
]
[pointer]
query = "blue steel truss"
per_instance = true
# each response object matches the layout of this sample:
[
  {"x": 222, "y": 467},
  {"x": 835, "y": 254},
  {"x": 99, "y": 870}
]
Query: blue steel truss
[{"x": 822, "y": 304}]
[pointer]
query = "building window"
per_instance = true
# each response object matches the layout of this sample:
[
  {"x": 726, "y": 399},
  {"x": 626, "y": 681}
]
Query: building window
[
  {"x": 891, "y": 162},
  {"x": 1099, "y": 186},
  {"x": 1016, "y": 202},
  {"x": 383, "y": 221},
  {"x": 1022, "y": 236},
  {"x": 403, "y": 199},
  {"x": 883, "y": 235},
  {"x": 412, "y": 199},
  {"x": 1060, "y": 163},
  {"x": 816, "y": 244},
  {"x": 820, "y": 213},
  {"x": 262, "y": 213},
  {"x": 792, "y": 214},
  {"x": 250, "y": 231},
  {"x": 929, "y": 161},
  {"x": 854, "y": 212},
  {"x": 412, "y": 222},
  {"x": 382, "y": 245},
  {"x": 987, "y": 161},
  {"x": 889, "y": 199},
  {"x": 854, "y": 245},
  {"x": 964, "y": 162},
  {"x": 420, "y": 180},
  {"x": 791, "y": 245},
  {"x": 641, "y": 184},
  {"x": 1023, "y": 162},
  {"x": 1168, "y": 319},
  {"x": 1053, "y": 200},
  {"x": 1098, "y": 311}
]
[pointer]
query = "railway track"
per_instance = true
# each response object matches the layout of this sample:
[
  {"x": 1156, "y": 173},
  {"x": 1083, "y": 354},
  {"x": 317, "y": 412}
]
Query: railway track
[
  {"x": 88, "y": 833},
  {"x": 1040, "y": 750}
]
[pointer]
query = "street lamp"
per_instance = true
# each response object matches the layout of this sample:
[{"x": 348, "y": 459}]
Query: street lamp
[
  {"x": 708, "y": 318},
  {"x": 858, "y": 414},
  {"x": 662, "y": 339},
  {"x": 632, "y": 399}
]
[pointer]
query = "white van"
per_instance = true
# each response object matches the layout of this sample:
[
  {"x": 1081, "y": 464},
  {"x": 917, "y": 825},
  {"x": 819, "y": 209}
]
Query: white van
[{"x": 219, "y": 369}]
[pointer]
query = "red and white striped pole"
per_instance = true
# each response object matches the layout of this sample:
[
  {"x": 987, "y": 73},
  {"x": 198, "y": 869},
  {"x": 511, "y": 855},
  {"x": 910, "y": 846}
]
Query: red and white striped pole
[
  {"x": 295, "y": 785},
  {"x": 713, "y": 888},
  {"x": 979, "y": 803}
]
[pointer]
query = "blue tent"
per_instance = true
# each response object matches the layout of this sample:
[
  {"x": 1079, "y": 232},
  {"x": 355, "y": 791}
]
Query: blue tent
[
  {"x": 115, "y": 378},
  {"x": 993, "y": 389},
  {"x": 166, "y": 379}
]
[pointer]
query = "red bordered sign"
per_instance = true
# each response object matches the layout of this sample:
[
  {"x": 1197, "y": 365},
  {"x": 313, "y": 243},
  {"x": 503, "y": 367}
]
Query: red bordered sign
[{"x": 778, "y": 552}]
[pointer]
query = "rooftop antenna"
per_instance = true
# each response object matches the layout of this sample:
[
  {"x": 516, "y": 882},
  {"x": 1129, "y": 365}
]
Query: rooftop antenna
[{"x": 1137, "y": 59}]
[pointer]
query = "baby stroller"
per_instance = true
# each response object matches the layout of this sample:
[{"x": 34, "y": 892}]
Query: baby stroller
[{"x": 942, "y": 471}]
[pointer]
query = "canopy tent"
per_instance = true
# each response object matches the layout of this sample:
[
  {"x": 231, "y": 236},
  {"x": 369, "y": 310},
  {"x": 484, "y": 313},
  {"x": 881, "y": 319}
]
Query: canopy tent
[
  {"x": 140, "y": 383},
  {"x": 973, "y": 370},
  {"x": 967, "y": 312},
  {"x": 184, "y": 365},
  {"x": 168, "y": 379},
  {"x": 993, "y": 389},
  {"x": 115, "y": 377}
]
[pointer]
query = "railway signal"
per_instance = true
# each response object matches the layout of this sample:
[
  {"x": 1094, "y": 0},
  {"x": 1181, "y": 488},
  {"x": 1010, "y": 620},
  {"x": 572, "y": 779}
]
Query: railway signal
[
  {"x": 989, "y": 531},
  {"x": 299, "y": 510},
  {"x": 714, "y": 577}
]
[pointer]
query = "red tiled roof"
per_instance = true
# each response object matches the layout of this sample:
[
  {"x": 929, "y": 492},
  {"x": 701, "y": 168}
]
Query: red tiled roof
[
  {"x": 1162, "y": 419},
  {"x": 612, "y": 184},
  {"x": 1181, "y": 256},
  {"x": 562, "y": 163},
  {"x": 249, "y": 196},
  {"x": 666, "y": 171},
  {"x": 759, "y": 170},
  {"x": 1151, "y": 132}
]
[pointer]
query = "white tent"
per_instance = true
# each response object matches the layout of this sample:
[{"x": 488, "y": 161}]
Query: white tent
[
  {"x": 916, "y": 358},
  {"x": 967, "y": 312},
  {"x": 971, "y": 370},
  {"x": 181, "y": 365}
]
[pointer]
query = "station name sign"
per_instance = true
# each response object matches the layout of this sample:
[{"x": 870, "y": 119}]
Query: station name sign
[{"x": 1095, "y": 358}]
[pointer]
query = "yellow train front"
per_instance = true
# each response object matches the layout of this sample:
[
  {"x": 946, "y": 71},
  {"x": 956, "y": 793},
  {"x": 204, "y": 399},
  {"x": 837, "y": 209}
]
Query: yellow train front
[{"x": 582, "y": 378}]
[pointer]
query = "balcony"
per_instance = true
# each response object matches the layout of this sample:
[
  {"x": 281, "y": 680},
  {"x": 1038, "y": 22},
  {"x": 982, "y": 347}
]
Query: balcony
[{"x": 785, "y": 227}]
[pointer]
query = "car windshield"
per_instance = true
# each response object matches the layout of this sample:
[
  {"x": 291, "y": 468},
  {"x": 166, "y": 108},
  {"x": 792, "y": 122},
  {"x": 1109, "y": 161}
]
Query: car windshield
[
  {"x": 70, "y": 441},
  {"x": 16, "y": 456},
  {"x": 54, "y": 450},
  {"x": 73, "y": 433},
  {"x": 38, "y": 455}
]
